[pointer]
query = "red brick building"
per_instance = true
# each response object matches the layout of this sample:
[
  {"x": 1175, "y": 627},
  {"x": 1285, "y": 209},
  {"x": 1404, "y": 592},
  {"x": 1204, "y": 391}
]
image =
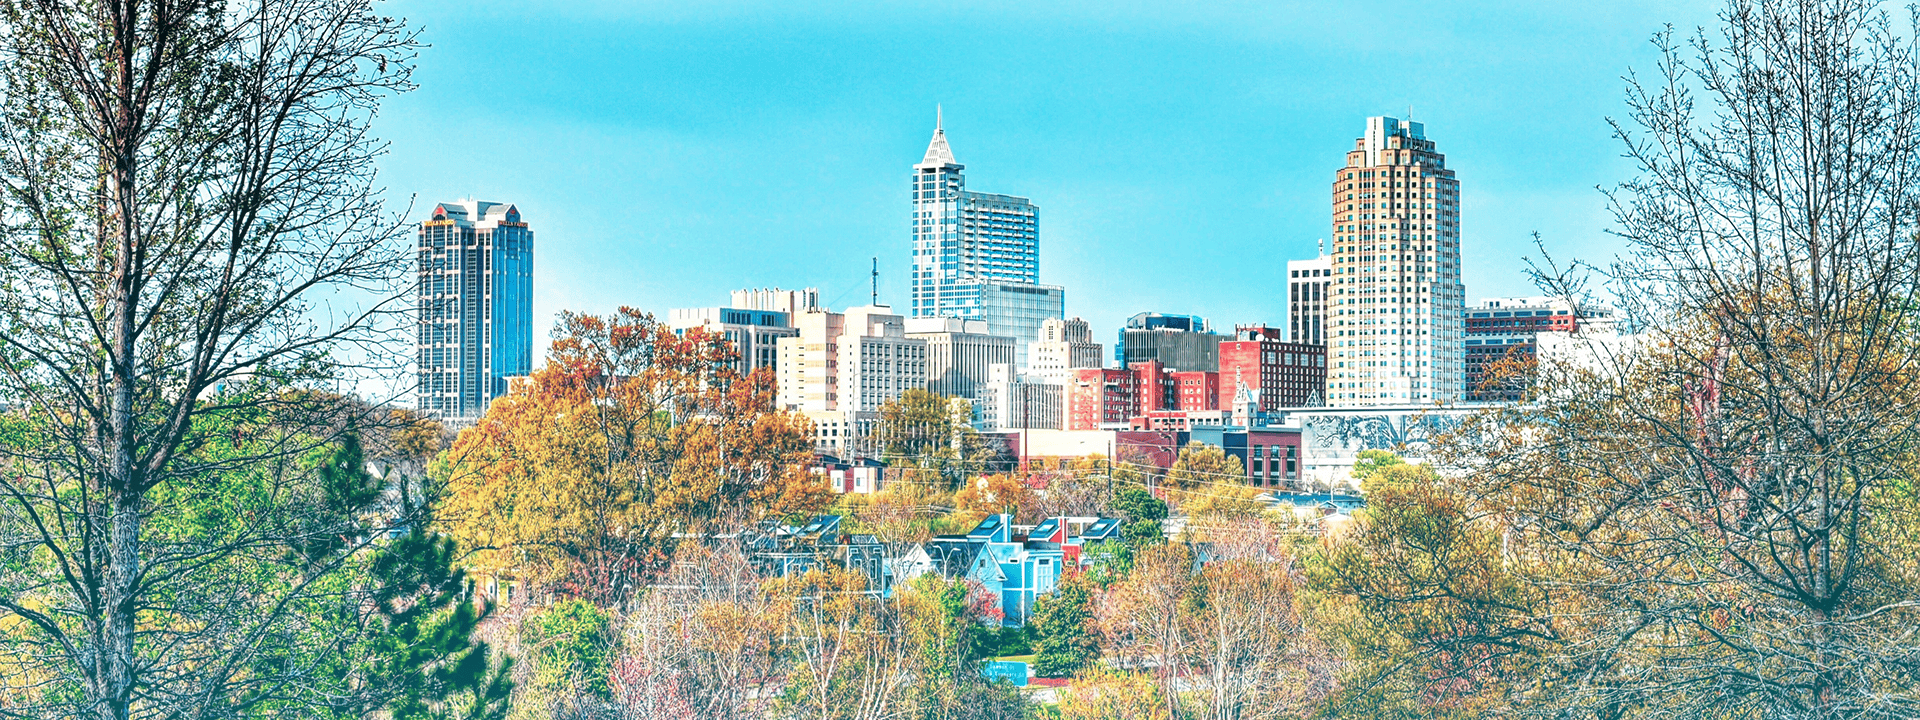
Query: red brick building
[
  {"x": 1285, "y": 374},
  {"x": 1509, "y": 329},
  {"x": 1107, "y": 396},
  {"x": 1101, "y": 395},
  {"x": 1195, "y": 391}
]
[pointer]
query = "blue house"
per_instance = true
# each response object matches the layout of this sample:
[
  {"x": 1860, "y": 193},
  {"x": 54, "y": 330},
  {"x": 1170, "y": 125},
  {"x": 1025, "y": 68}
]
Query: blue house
[{"x": 1018, "y": 568}]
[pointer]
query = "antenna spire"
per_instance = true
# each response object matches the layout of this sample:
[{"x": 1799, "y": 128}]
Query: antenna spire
[
  {"x": 938, "y": 121},
  {"x": 874, "y": 296}
]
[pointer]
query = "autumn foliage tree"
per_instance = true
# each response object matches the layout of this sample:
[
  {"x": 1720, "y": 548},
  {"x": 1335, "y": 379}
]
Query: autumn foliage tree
[
  {"x": 1200, "y": 465},
  {"x": 630, "y": 434}
]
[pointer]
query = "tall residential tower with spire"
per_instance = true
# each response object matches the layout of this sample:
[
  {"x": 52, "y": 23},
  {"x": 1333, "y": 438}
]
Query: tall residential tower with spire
[{"x": 976, "y": 255}]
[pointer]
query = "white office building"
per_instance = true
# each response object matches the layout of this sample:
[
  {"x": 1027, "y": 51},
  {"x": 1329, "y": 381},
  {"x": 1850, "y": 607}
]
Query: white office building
[{"x": 848, "y": 363}]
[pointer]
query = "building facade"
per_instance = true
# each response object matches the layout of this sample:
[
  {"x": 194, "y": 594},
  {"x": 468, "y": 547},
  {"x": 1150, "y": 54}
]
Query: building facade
[
  {"x": 841, "y": 367},
  {"x": 475, "y": 304},
  {"x": 1397, "y": 333},
  {"x": 1181, "y": 342},
  {"x": 754, "y": 334},
  {"x": 791, "y": 302},
  {"x": 1282, "y": 374},
  {"x": 878, "y": 362},
  {"x": 1307, "y": 282},
  {"x": 1017, "y": 311},
  {"x": 976, "y": 256},
  {"x": 1064, "y": 346},
  {"x": 1016, "y": 401},
  {"x": 1100, "y": 398},
  {"x": 959, "y": 355},
  {"x": 1509, "y": 330}
]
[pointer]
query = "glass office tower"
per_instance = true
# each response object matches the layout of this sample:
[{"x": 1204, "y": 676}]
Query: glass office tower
[
  {"x": 976, "y": 255},
  {"x": 475, "y": 307}
]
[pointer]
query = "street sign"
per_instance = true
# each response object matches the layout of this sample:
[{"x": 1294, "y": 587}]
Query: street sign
[{"x": 1010, "y": 671}]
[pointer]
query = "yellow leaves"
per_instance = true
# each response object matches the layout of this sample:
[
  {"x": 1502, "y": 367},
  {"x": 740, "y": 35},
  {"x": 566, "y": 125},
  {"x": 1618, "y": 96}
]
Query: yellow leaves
[
  {"x": 1109, "y": 694},
  {"x": 1203, "y": 465},
  {"x": 628, "y": 436},
  {"x": 991, "y": 494}
]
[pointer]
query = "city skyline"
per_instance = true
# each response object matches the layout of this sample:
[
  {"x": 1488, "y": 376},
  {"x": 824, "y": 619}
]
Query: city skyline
[{"x": 1145, "y": 130}]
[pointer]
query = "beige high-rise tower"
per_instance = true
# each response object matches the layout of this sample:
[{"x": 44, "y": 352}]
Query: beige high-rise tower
[{"x": 1396, "y": 318}]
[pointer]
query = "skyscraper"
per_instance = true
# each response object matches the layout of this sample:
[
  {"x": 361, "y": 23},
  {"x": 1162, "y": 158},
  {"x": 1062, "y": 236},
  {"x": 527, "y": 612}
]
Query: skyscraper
[
  {"x": 1396, "y": 318},
  {"x": 475, "y": 304},
  {"x": 976, "y": 256}
]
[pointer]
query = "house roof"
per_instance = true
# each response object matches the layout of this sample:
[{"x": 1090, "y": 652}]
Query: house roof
[{"x": 1101, "y": 529}]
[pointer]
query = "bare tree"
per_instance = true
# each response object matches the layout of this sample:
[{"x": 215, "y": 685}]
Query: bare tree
[
  {"x": 189, "y": 237},
  {"x": 1727, "y": 518},
  {"x": 703, "y": 642}
]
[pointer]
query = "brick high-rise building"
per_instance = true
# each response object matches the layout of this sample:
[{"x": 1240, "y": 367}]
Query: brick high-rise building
[
  {"x": 1099, "y": 396},
  {"x": 1285, "y": 374},
  {"x": 475, "y": 307},
  {"x": 1397, "y": 310}
]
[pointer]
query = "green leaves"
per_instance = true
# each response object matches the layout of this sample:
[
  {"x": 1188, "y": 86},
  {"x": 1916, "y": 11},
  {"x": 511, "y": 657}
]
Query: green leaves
[
  {"x": 424, "y": 655},
  {"x": 1063, "y": 623},
  {"x": 571, "y": 645}
]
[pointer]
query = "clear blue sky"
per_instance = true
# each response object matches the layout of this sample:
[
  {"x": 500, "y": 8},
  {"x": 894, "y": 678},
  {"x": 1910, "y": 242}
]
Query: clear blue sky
[{"x": 666, "y": 153}]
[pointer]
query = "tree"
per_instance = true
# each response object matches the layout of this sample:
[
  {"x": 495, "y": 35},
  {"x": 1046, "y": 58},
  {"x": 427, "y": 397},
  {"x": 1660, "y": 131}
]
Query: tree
[
  {"x": 1431, "y": 619},
  {"x": 1717, "y": 520},
  {"x": 1140, "y": 619},
  {"x": 423, "y": 653},
  {"x": 190, "y": 230},
  {"x": 1114, "y": 695},
  {"x": 1370, "y": 462},
  {"x": 1063, "y": 626},
  {"x": 850, "y": 661},
  {"x": 1081, "y": 487},
  {"x": 995, "y": 493},
  {"x": 1143, "y": 514},
  {"x": 917, "y": 424},
  {"x": 629, "y": 437},
  {"x": 1251, "y": 653},
  {"x": 931, "y": 437},
  {"x": 1201, "y": 465},
  {"x": 704, "y": 642},
  {"x": 1221, "y": 504},
  {"x": 571, "y": 645},
  {"x": 1734, "y": 504}
]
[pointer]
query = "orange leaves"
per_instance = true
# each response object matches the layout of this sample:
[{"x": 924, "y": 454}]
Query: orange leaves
[
  {"x": 630, "y": 435},
  {"x": 997, "y": 493}
]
